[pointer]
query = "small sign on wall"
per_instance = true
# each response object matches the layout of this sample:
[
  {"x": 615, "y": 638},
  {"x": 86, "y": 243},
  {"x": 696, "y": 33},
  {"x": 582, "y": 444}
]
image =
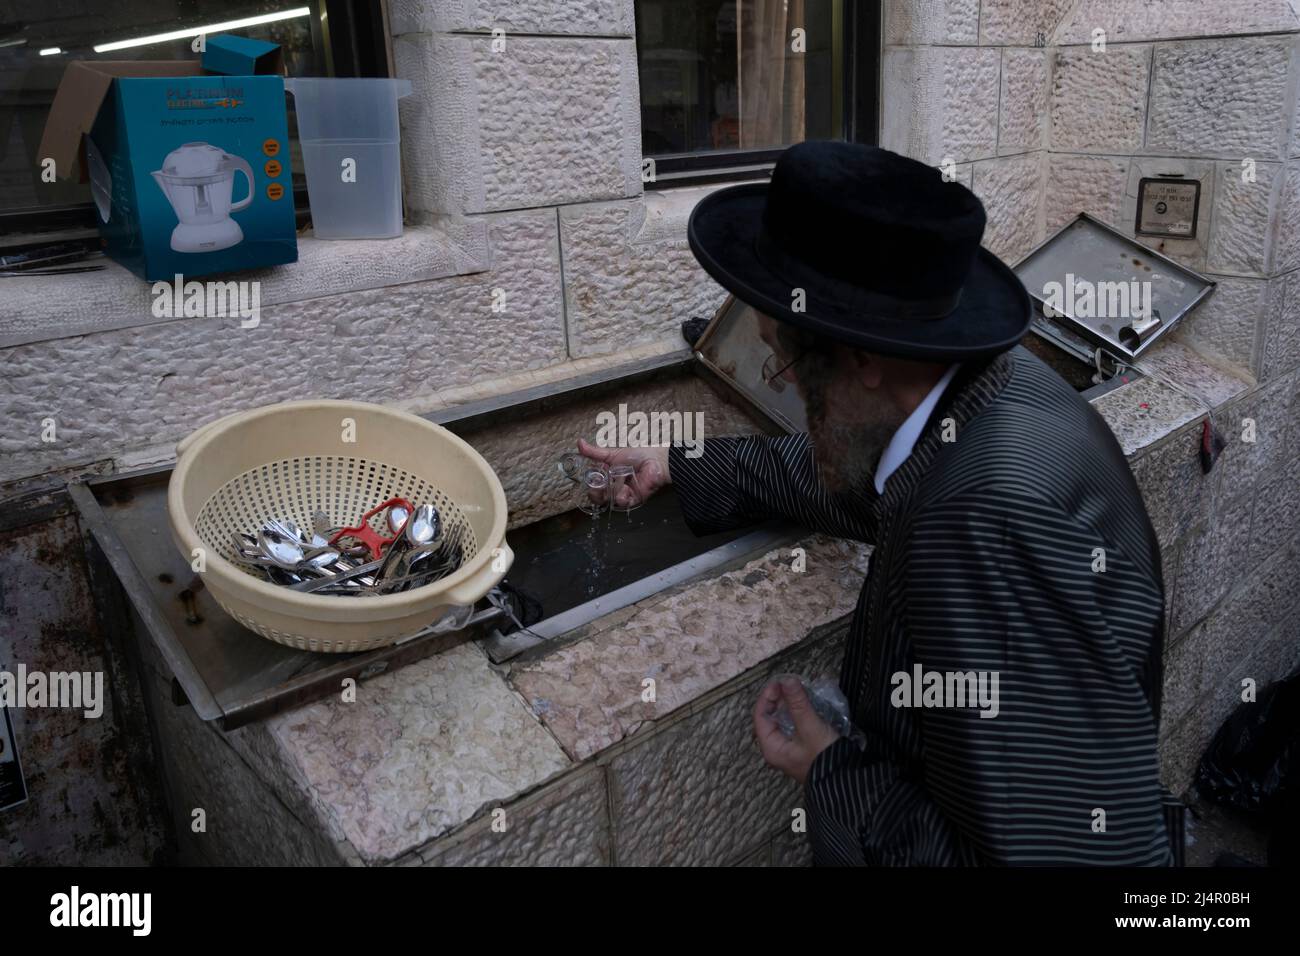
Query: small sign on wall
[
  {"x": 1168, "y": 207},
  {"x": 13, "y": 789}
]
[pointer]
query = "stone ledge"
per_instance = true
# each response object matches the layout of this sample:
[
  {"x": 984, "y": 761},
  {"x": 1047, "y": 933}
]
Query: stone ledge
[
  {"x": 64, "y": 306},
  {"x": 589, "y": 693},
  {"x": 1145, "y": 411}
]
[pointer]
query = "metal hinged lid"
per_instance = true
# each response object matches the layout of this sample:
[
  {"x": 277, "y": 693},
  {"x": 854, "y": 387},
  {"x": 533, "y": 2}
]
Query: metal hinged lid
[
  {"x": 733, "y": 351},
  {"x": 1091, "y": 282}
]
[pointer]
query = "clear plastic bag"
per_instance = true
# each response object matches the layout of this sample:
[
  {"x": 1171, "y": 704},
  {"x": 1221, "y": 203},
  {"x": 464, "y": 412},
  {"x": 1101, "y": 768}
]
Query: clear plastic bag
[{"x": 828, "y": 702}]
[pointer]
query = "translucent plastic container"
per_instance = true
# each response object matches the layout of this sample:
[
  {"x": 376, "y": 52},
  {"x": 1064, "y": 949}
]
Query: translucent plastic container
[{"x": 342, "y": 120}]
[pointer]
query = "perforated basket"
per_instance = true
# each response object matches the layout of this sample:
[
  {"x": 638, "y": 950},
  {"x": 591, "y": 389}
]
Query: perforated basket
[{"x": 342, "y": 458}]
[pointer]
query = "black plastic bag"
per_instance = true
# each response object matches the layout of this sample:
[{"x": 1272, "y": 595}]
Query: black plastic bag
[
  {"x": 1251, "y": 766},
  {"x": 1251, "y": 763}
]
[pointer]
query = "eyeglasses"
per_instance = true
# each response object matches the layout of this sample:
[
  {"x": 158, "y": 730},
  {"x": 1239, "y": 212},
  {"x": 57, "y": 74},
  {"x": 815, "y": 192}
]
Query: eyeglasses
[{"x": 772, "y": 375}]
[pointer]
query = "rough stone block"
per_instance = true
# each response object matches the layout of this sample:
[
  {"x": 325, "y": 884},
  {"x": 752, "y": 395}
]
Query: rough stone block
[
  {"x": 421, "y": 751},
  {"x": 1211, "y": 562},
  {"x": 548, "y": 120},
  {"x": 549, "y": 17},
  {"x": 246, "y": 825},
  {"x": 559, "y": 121},
  {"x": 1278, "y": 655},
  {"x": 539, "y": 490},
  {"x": 1022, "y": 119},
  {"x": 1239, "y": 236},
  {"x": 1130, "y": 20},
  {"x": 629, "y": 276},
  {"x": 1220, "y": 98},
  {"x": 1280, "y": 347},
  {"x": 1238, "y": 640},
  {"x": 759, "y": 857},
  {"x": 698, "y": 792},
  {"x": 1180, "y": 751},
  {"x": 1184, "y": 661},
  {"x": 940, "y": 103},
  {"x": 1228, "y": 323},
  {"x": 1020, "y": 22},
  {"x": 1255, "y": 429},
  {"x": 590, "y": 694},
  {"x": 1091, "y": 184},
  {"x": 1286, "y": 251},
  {"x": 1144, "y": 412},
  {"x": 1277, "y": 513},
  {"x": 566, "y": 823},
  {"x": 1177, "y": 495},
  {"x": 932, "y": 21},
  {"x": 1099, "y": 99},
  {"x": 1012, "y": 191},
  {"x": 442, "y": 160},
  {"x": 1173, "y": 361}
]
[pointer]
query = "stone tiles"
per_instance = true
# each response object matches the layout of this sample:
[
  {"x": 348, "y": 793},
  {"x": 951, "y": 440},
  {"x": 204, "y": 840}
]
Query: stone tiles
[{"x": 592, "y": 694}]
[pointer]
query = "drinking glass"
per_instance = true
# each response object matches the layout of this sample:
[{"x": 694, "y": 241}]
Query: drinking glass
[{"x": 592, "y": 477}]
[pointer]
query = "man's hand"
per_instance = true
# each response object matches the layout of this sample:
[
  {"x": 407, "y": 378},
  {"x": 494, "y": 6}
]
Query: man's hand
[
  {"x": 793, "y": 756},
  {"x": 651, "y": 465}
]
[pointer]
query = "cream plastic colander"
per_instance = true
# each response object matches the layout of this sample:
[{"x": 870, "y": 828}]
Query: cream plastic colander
[{"x": 291, "y": 459}]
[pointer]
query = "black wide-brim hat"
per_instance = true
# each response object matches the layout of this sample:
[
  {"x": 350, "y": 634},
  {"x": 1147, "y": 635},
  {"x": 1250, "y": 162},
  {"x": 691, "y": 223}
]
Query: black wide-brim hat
[{"x": 866, "y": 247}]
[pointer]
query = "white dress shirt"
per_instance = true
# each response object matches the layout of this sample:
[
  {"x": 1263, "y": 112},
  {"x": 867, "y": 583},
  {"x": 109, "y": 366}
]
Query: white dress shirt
[{"x": 904, "y": 440}]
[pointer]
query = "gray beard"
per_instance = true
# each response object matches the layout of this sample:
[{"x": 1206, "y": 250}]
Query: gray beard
[{"x": 847, "y": 453}]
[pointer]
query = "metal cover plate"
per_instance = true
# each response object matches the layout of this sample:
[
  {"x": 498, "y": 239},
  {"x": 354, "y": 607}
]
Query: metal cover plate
[
  {"x": 1087, "y": 254},
  {"x": 732, "y": 349}
]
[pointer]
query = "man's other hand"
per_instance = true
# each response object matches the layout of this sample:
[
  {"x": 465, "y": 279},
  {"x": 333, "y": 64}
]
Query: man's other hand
[
  {"x": 650, "y": 464},
  {"x": 794, "y": 755}
]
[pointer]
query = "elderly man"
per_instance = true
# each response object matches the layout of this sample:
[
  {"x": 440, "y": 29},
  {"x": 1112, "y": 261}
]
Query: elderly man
[{"x": 1012, "y": 550}]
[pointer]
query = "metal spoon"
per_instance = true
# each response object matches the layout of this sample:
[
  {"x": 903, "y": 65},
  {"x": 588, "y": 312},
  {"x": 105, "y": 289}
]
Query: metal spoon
[
  {"x": 397, "y": 517},
  {"x": 419, "y": 530},
  {"x": 280, "y": 549}
]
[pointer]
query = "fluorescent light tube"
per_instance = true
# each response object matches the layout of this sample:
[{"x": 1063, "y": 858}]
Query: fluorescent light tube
[{"x": 196, "y": 31}]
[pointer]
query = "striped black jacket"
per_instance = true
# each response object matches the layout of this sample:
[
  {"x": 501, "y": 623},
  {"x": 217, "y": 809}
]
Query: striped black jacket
[{"x": 988, "y": 558}]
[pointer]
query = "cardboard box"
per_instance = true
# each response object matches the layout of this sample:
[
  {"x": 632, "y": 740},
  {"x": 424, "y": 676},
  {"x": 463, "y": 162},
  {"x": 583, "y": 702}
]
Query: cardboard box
[
  {"x": 189, "y": 171},
  {"x": 241, "y": 56}
]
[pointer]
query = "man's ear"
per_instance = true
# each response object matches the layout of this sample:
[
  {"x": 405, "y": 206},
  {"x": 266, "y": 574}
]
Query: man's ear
[{"x": 867, "y": 368}]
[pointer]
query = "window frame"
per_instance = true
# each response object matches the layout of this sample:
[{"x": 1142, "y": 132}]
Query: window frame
[
  {"x": 354, "y": 37},
  {"x": 862, "y": 54}
]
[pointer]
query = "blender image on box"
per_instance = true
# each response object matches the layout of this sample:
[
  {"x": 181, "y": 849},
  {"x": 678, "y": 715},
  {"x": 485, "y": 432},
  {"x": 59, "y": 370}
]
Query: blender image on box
[{"x": 199, "y": 181}]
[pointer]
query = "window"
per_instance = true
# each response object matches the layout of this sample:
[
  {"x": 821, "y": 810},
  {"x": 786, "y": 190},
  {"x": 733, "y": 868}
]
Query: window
[
  {"x": 726, "y": 85},
  {"x": 317, "y": 37}
]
